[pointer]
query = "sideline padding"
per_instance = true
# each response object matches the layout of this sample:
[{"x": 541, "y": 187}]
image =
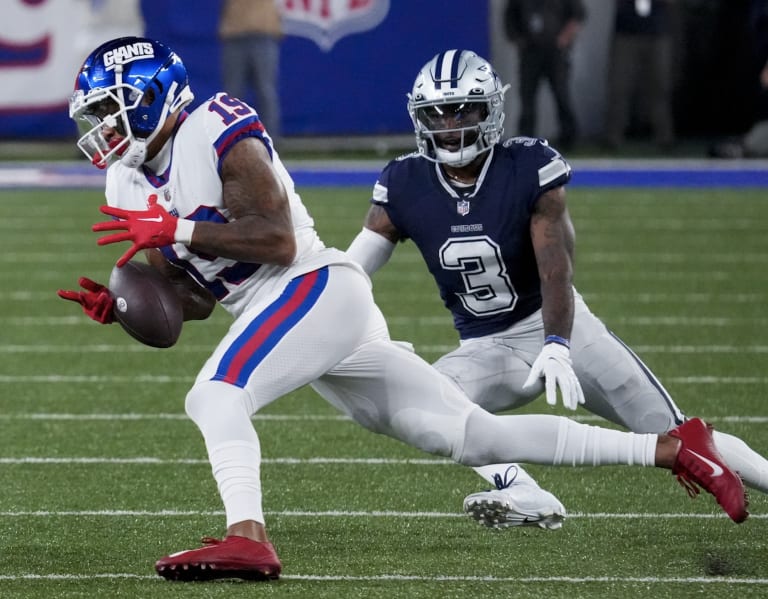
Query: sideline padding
[{"x": 586, "y": 173}]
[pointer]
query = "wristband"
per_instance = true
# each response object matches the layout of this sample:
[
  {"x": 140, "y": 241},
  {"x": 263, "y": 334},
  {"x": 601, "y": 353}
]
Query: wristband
[
  {"x": 557, "y": 339},
  {"x": 184, "y": 230}
]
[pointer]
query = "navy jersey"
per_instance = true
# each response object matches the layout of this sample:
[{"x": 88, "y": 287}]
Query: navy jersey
[{"x": 476, "y": 244}]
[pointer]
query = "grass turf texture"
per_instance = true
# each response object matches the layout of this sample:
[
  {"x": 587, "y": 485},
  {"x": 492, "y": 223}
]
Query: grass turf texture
[{"x": 102, "y": 473}]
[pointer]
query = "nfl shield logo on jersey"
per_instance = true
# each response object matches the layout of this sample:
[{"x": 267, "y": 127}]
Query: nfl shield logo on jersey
[
  {"x": 462, "y": 207},
  {"x": 325, "y": 22}
]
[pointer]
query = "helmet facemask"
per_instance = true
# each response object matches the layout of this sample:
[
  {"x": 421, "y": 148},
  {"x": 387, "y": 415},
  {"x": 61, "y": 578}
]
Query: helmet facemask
[
  {"x": 100, "y": 109},
  {"x": 457, "y": 108}
]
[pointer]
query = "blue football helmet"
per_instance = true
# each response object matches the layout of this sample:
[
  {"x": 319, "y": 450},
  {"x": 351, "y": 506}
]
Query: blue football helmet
[
  {"x": 132, "y": 85},
  {"x": 457, "y": 96}
]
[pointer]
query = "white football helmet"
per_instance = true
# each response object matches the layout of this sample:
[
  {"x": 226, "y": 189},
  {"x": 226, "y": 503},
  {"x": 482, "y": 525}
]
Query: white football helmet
[{"x": 457, "y": 107}]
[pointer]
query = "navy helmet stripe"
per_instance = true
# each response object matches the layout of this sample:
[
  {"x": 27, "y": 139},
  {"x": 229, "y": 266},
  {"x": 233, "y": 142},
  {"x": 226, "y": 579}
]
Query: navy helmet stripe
[
  {"x": 455, "y": 69},
  {"x": 447, "y": 68},
  {"x": 439, "y": 70}
]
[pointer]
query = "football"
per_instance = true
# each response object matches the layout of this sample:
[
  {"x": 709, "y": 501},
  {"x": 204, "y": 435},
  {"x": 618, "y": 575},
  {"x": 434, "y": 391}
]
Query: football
[{"x": 146, "y": 305}]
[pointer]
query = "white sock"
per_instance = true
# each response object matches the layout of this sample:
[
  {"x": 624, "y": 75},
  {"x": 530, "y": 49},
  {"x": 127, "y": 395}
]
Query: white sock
[
  {"x": 583, "y": 445},
  {"x": 751, "y": 466},
  {"x": 221, "y": 413},
  {"x": 553, "y": 440},
  {"x": 236, "y": 468}
]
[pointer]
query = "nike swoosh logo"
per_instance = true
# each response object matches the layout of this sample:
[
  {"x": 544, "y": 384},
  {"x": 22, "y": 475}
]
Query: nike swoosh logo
[
  {"x": 156, "y": 219},
  {"x": 716, "y": 469}
]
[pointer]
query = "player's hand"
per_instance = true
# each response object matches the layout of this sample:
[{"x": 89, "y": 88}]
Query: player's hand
[
  {"x": 96, "y": 300},
  {"x": 554, "y": 364},
  {"x": 151, "y": 228}
]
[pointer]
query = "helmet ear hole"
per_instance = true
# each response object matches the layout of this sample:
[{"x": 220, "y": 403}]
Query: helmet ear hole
[{"x": 149, "y": 97}]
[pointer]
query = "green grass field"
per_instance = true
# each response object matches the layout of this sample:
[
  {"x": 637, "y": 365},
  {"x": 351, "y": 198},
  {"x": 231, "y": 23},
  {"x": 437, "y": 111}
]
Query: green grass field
[{"x": 101, "y": 473}]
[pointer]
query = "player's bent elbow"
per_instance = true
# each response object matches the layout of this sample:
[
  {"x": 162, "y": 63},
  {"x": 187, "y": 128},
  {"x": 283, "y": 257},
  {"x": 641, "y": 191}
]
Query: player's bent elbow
[{"x": 285, "y": 251}]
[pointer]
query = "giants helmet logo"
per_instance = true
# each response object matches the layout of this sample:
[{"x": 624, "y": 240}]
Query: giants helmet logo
[{"x": 129, "y": 53}]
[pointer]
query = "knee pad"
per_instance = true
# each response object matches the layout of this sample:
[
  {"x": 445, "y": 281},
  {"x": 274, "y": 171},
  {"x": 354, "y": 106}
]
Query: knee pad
[{"x": 220, "y": 411}]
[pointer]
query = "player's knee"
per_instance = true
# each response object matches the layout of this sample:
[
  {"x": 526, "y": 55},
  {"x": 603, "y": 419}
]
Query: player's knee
[
  {"x": 477, "y": 447},
  {"x": 214, "y": 400}
]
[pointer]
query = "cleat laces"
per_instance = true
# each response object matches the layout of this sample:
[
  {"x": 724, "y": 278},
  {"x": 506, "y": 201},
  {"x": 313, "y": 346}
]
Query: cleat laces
[{"x": 503, "y": 483}]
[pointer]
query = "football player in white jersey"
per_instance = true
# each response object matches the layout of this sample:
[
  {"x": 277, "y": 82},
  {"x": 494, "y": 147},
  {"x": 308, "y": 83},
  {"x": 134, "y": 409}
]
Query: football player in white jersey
[
  {"x": 205, "y": 193},
  {"x": 491, "y": 222}
]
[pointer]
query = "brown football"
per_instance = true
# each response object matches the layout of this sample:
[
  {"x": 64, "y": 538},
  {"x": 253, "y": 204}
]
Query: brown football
[{"x": 146, "y": 304}]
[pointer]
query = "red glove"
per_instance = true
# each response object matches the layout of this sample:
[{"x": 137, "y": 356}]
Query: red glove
[
  {"x": 96, "y": 300},
  {"x": 151, "y": 228}
]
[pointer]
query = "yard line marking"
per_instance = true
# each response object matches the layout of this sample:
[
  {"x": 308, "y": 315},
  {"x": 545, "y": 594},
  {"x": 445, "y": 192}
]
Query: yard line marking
[
  {"x": 287, "y": 461},
  {"x": 639, "y": 349},
  {"x": 293, "y": 417},
  {"x": 76, "y": 319},
  {"x": 346, "y": 514},
  {"x": 163, "y": 379},
  {"x": 437, "y": 348},
  {"x": 419, "y": 578},
  {"x": 96, "y": 348},
  {"x": 637, "y": 298},
  {"x": 65, "y": 378},
  {"x": 443, "y": 321},
  {"x": 167, "y": 416}
]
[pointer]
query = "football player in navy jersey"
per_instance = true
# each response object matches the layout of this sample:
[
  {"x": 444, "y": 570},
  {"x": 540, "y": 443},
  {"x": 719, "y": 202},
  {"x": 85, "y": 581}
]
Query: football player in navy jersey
[
  {"x": 491, "y": 221},
  {"x": 205, "y": 194}
]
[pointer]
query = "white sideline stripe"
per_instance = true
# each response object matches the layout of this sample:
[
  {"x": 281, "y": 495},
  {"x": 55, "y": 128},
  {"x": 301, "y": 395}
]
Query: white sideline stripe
[
  {"x": 407, "y": 578},
  {"x": 297, "y": 417},
  {"x": 346, "y": 514},
  {"x": 151, "y": 378}
]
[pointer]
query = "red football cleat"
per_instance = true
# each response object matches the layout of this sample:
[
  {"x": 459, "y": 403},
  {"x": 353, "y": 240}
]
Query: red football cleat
[
  {"x": 232, "y": 557},
  {"x": 699, "y": 463}
]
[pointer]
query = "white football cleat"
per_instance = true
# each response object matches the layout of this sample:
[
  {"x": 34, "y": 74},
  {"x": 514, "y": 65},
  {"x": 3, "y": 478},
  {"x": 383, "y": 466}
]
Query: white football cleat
[{"x": 515, "y": 503}]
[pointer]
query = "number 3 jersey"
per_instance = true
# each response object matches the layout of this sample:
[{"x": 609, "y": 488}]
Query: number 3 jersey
[
  {"x": 190, "y": 187},
  {"x": 476, "y": 240}
]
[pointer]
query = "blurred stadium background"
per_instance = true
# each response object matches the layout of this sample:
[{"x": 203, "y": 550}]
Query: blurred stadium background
[{"x": 347, "y": 64}]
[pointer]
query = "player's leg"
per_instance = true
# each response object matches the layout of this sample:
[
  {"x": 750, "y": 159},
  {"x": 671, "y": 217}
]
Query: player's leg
[
  {"x": 278, "y": 345},
  {"x": 619, "y": 387},
  {"x": 491, "y": 373},
  {"x": 392, "y": 391}
]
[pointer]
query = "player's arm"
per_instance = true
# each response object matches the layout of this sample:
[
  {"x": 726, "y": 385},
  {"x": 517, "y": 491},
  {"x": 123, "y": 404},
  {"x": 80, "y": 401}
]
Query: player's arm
[
  {"x": 553, "y": 237},
  {"x": 261, "y": 231},
  {"x": 196, "y": 301},
  {"x": 374, "y": 245},
  {"x": 553, "y": 240}
]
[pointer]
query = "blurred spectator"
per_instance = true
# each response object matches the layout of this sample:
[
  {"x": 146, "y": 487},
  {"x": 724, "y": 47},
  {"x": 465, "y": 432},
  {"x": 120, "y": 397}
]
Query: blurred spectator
[
  {"x": 754, "y": 143},
  {"x": 640, "y": 73},
  {"x": 250, "y": 33},
  {"x": 544, "y": 31}
]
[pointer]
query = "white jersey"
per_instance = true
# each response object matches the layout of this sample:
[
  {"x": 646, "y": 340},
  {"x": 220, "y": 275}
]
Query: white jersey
[{"x": 191, "y": 188}]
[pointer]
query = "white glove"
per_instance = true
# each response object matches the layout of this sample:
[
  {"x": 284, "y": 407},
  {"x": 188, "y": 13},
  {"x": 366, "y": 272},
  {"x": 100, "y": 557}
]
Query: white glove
[{"x": 554, "y": 364}]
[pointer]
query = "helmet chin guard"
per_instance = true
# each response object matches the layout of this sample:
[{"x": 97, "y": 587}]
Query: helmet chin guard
[
  {"x": 129, "y": 85},
  {"x": 457, "y": 108}
]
